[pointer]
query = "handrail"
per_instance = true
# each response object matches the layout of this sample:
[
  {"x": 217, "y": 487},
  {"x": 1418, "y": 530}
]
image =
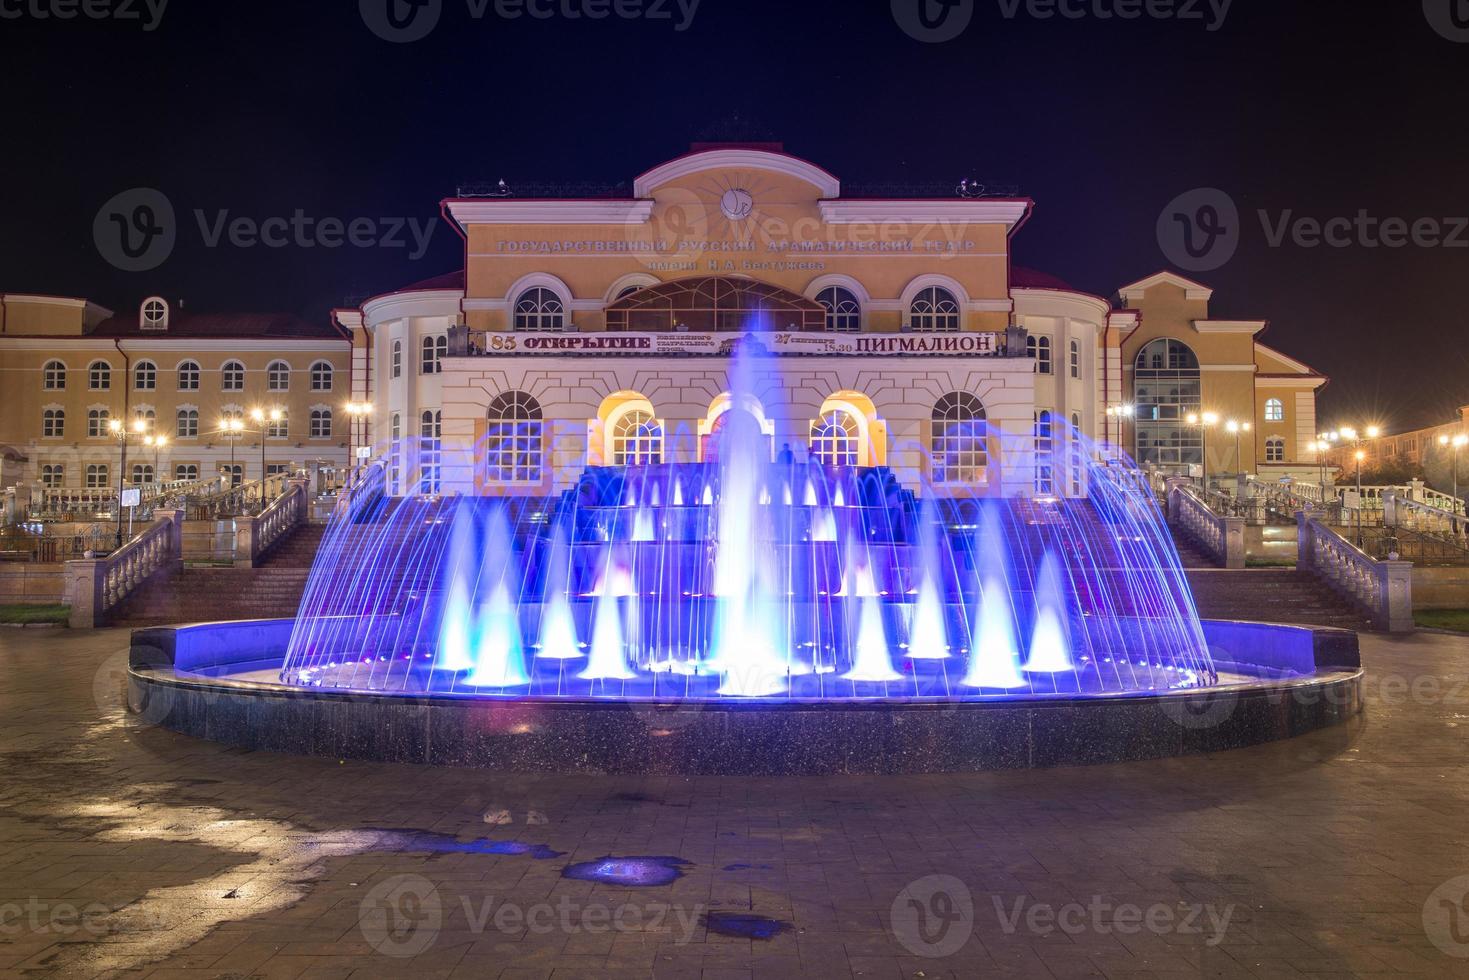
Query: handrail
[
  {"x": 95, "y": 586},
  {"x": 1426, "y": 518},
  {"x": 1221, "y": 536},
  {"x": 1383, "y": 590},
  {"x": 257, "y": 534}
]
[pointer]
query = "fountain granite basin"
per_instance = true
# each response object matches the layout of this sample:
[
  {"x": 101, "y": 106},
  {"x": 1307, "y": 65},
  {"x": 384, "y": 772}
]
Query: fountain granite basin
[{"x": 219, "y": 681}]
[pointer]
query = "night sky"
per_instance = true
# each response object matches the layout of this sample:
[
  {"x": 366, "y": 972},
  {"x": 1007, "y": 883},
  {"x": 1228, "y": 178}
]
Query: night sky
[{"x": 1303, "y": 108}]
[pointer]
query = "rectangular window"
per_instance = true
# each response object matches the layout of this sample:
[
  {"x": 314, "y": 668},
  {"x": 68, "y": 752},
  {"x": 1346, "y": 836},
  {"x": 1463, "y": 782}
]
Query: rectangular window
[
  {"x": 53, "y": 423},
  {"x": 188, "y": 423},
  {"x": 97, "y": 419}
]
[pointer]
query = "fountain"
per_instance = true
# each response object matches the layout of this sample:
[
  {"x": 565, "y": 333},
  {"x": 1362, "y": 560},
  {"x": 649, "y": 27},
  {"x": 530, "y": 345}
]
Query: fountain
[{"x": 774, "y": 592}]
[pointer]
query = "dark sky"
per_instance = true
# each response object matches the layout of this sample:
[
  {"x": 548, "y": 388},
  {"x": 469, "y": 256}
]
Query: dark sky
[{"x": 1295, "y": 107}]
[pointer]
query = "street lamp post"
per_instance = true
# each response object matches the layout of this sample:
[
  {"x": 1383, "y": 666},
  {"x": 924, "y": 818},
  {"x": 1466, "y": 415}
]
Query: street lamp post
[
  {"x": 232, "y": 427},
  {"x": 157, "y": 442},
  {"x": 358, "y": 413},
  {"x": 1456, "y": 442},
  {"x": 1204, "y": 421},
  {"x": 1235, "y": 428},
  {"x": 260, "y": 416}
]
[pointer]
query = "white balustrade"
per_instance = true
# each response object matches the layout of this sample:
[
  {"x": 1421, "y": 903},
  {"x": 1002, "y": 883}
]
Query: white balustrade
[
  {"x": 95, "y": 586},
  {"x": 1221, "y": 535},
  {"x": 1383, "y": 590}
]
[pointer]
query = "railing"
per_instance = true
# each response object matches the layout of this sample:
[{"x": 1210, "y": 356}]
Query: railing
[
  {"x": 67, "y": 504},
  {"x": 38, "y": 542},
  {"x": 1283, "y": 500},
  {"x": 95, "y": 586},
  {"x": 1221, "y": 536},
  {"x": 255, "y": 535},
  {"x": 1426, "y": 518},
  {"x": 1383, "y": 590}
]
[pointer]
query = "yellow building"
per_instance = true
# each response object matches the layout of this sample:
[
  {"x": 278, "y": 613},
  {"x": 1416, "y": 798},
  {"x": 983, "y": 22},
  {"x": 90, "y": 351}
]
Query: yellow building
[{"x": 72, "y": 367}]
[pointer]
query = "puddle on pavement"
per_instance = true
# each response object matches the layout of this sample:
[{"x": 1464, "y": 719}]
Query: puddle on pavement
[
  {"x": 744, "y": 925},
  {"x": 631, "y": 872}
]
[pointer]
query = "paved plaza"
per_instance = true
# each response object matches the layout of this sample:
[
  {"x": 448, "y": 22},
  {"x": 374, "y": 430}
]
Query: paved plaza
[{"x": 134, "y": 851}]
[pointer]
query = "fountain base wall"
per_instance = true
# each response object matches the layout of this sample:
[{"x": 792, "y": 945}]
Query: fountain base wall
[{"x": 205, "y": 680}]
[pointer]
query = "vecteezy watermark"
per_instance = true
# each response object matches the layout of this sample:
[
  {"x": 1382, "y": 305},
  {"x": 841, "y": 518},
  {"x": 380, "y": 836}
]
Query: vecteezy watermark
[
  {"x": 406, "y": 21},
  {"x": 149, "y": 13},
  {"x": 1450, "y": 18},
  {"x": 1102, "y": 917},
  {"x": 403, "y": 915},
  {"x": 35, "y": 917},
  {"x": 934, "y": 916},
  {"x": 936, "y": 21},
  {"x": 1446, "y": 917},
  {"x": 137, "y": 230},
  {"x": 1201, "y": 229}
]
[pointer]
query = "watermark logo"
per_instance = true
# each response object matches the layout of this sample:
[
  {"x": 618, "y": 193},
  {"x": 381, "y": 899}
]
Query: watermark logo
[
  {"x": 934, "y": 916},
  {"x": 406, "y": 21},
  {"x": 401, "y": 21},
  {"x": 1449, "y": 18},
  {"x": 136, "y": 230},
  {"x": 1446, "y": 917},
  {"x": 401, "y": 916},
  {"x": 933, "y": 21},
  {"x": 1102, "y": 917},
  {"x": 1200, "y": 711},
  {"x": 1199, "y": 230},
  {"x": 148, "y": 13}
]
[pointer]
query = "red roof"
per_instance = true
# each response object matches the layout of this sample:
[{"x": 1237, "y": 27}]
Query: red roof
[
  {"x": 245, "y": 326},
  {"x": 1023, "y": 278},
  {"x": 449, "y": 280}
]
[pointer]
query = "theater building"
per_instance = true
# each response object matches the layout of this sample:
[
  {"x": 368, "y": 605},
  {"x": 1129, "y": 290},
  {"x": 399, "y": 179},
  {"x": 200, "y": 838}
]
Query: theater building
[{"x": 876, "y": 331}]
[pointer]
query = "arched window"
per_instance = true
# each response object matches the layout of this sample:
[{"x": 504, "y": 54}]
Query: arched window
[
  {"x": 843, "y": 312},
  {"x": 637, "y": 439},
  {"x": 1040, "y": 349},
  {"x": 278, "y": 428},
  {"x": 934, "y": 310},
  {"x": 232, "y": 376},
  {"x": 97, "y": 476},
  {"x": 189, "y": 376},
  {"x": 145, "y": 376},
  {"x": 1075, "y": 359},
  {"x": 97, "y": 419},
  {"x": 145, "y": 419},
  {"x": 278, "y": 376},
  {"x": 397, "y": 359},
  {"x": 1275, "y": 450},
  {"x": 836, "y": 439},
  {"x": 321, "y": 423},
  {"x": 321, "y": 376},
  {"x": 433, "y": 349},
  {"x": 99, "y": 376},
  {"x": 53, "y": 423},
  {"x": 625, "y": 291},
  {"x": 1045, "y": 453},
  {"x": 1167, "y": 389},
  {"x": 1274, "y": 410},
  {"x": 959, "y": 445},
  {"x": 53, "y": 476},
  {"x": 53, "y": 376},
  {"x": 430, "y": 431},
  {"x": 539, "y": 309},
  {"x": 153, "y": 315},
  {"x": 142, "y": 473},
  {"x": 186, "y": 423},
  {"x": 513, "y": 451},
  {"x": 186, "y": 472}
]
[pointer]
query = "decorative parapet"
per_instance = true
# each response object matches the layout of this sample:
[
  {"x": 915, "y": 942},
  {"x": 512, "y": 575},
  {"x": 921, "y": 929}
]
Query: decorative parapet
[
  {"x": 1383, "y": 590},
  {"x": 1221, "y": 536},
  {"x": 96, "y": 586},
  {"x": 256, "y": 535}
]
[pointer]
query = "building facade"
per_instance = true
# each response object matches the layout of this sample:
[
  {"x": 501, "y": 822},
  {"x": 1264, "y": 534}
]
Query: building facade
[
  {"x": 604, "y": 331},
  {"x": 72, "y": 367}
]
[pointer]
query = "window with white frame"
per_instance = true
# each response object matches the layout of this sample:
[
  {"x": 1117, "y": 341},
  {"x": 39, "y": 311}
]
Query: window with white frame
[
  {"x": 99, "y": 376},
  {"x": 278, "y": 376},
  {"x": 959, "y": 443},
  {"x": 53, "y": 476},
  {"x": 189, "y": 373},
  {"x": 1045, "y": 453},
  {"x": 142, "y": 473},
  {"x": 433, "y": 349},
  {"x": 637, "y": 439},
  {"x": 513, "y": 443},
  {"x": 321, "y": 376},
  {"x": 395, "y": 446},
  {"x": 1275, "y": 450},
  {"x": 843, "y": 311},
  {"x": 186, "y": 472},
  {"x": 232, "y": 376},
  {"x": 53, "y": 423},
  {"x": 934, "y": 310},
  {"x": 97, "y": 476},
  {"x": 430, "y": 430},
  {"x": 1274, "y": 410},
  {"x": 539, "y": 310},
  {"x": 234, "y": 472},
  {"x": 145, "y": 419},
  {"x": 278, "y": 428},
  {"x": 186, "y": 423},
  {"x": 145, "y": 376},
  {"x": 396, "y": 368},
  {"x": 1075, "y": 359},
  {"x": 321, "y": 423},
  {"x": 97, "y": 419},
  {"x": 53, "y": 376},
  {"x": 836, "y": 439},
  {"x": 1040, "y": 348},
  {"x": 153, "y": 315}
]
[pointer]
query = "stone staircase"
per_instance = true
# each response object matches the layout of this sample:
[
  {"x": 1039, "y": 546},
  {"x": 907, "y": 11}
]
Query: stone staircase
[{"x": 203, "y": 594}]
